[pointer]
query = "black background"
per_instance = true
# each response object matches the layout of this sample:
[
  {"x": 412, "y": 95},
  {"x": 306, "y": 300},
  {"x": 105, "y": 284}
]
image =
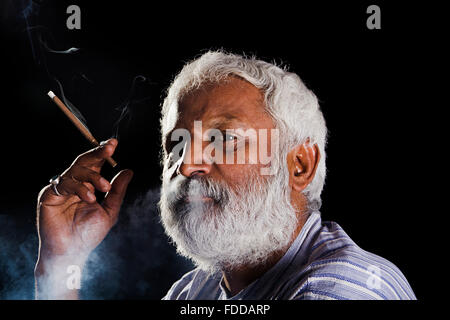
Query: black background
[{"x": 366, "y": 81}]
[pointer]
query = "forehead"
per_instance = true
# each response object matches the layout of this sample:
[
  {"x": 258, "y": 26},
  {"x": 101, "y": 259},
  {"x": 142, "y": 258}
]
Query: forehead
[{"x": 234, "y": 100}]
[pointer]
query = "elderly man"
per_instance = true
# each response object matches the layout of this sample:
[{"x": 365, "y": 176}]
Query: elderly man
[{"x": 250, "y": 221}]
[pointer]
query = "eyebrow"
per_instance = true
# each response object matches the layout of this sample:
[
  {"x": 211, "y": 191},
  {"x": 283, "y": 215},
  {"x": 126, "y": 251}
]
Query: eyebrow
[{"x": 223, "y": 120}]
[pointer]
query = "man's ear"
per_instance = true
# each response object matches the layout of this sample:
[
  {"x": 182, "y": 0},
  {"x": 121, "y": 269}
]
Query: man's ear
[{"x": 303, "y": 161}]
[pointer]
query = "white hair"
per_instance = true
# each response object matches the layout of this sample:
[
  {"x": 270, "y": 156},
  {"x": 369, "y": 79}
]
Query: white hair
[
  {"x": 239, "y": 231},
  {"x": 293, "y": 107}
]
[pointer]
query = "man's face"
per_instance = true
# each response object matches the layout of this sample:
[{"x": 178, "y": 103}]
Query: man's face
[
  {"x": 223, "y": 212},
  {"x": 237, "y": 105}
]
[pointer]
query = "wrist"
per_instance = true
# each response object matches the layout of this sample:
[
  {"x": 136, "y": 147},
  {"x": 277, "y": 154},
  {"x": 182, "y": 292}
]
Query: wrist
[
  {"x": 58, "y": 276},
  {"x": 49, "y": 263}
]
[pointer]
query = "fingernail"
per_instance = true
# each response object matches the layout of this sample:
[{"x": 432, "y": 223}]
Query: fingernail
[
  {"x": 130, "y": 173},
  {"x": 104, "y": 182},
  {"x": 90, "y": 195},
  {"x": 109, "y": 141}
]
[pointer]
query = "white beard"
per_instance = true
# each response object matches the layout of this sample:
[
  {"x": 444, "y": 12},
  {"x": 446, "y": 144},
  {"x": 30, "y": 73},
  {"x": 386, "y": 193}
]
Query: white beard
[{"x": 240, "y": 227}]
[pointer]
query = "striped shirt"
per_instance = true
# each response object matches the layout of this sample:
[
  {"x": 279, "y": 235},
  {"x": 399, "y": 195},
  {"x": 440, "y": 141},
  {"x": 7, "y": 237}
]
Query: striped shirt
[{"x": 322, "y": 263}]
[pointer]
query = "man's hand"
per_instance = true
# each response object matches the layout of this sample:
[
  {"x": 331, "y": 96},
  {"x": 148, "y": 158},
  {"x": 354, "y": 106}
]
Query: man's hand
[{"x": 71, "y": 225}]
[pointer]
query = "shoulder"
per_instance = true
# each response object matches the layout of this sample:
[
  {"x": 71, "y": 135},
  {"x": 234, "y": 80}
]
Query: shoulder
[
  {"x": 339, "y": 269},
  {"x": 180, "y": 288},
  {"x": 196, "y": 284}
]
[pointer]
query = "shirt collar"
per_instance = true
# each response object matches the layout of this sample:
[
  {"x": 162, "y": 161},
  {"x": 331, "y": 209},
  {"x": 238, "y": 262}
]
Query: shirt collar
[{"x": 262, "y": 286}]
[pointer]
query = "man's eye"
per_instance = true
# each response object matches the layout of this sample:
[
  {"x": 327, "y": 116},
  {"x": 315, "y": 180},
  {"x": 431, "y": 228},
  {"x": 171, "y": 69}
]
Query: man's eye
[
  {"x": 229, "y": 138},
  {"x": 224, "y": 138},
  {"x": 230, "y": 142}
]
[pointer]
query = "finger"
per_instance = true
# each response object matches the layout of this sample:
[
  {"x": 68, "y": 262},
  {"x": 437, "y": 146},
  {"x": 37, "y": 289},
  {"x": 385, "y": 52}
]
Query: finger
[
  {"x": 95, "y": 158},
  {"x": 113, "y": 199},
  {"x": 89, "y": 186},
  {"x": 83, "y": 174},
  {"x": 68, "y": 186},
  {"x": 45, "y": 193}
]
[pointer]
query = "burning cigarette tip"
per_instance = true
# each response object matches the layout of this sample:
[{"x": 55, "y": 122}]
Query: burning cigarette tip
[{"x": 51, "y": 94}]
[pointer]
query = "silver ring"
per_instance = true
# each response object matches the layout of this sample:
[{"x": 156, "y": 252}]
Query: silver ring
[{"x": 54, "y": 182}]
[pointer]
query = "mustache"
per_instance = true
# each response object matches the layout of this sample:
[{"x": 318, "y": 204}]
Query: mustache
[{"x": 202, "y": 187}]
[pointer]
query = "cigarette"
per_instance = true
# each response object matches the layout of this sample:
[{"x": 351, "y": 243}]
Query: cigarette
[{"x": 80, "y": 126}]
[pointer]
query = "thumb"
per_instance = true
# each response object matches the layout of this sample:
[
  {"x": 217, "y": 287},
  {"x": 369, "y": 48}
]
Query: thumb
[{"x": 113, "y": 199}]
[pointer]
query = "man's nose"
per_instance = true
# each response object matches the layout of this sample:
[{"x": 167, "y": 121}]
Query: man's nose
[{"x": 194, "y": 162}]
